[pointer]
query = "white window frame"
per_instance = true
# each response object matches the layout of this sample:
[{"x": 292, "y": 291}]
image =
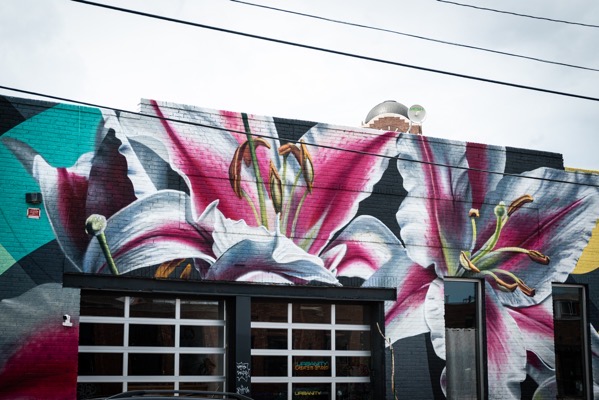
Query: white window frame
[
  {"x": 585, "y": 334},
  {"x": 176, "y": 350},
  {"x": 480, "y": 334},
  {"x": 289, "y": 326}
]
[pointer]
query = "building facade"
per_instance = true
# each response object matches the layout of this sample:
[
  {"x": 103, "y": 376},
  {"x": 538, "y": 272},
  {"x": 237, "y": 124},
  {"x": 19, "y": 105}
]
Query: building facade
[{"x": 188, "y": 248}]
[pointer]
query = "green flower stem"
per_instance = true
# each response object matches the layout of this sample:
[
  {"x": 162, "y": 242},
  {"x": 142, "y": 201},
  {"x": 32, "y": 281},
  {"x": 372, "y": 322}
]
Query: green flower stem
[
  {"x": 492, "y": 242},
  {"x": 259, "y": 182},
  {"x": 297, "y": 213},
  {"x": 287, "y": 207},
  {"x": 252, "y": 206},
  {"x": 488, "y": 259},
  {"x": 104, "y": 245}
]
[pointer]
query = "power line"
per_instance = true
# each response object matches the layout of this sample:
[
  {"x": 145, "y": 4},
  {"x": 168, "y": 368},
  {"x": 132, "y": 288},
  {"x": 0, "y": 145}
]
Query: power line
[
  {"x": 336, "y": 21},
  {"x": 365, "y": 153},
  {"x": 517, "y": 14},
  {"x": 338, "y": 52}
]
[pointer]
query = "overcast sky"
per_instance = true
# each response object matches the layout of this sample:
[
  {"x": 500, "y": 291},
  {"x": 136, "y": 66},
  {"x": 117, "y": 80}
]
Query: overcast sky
[{"x": 105, "y": 57}]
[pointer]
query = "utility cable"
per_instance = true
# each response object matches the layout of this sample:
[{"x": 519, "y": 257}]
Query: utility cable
[
  {"x": 336, "y": 21},
  {"x": 365, "y": 153},
  {"x": 338, "y": 52},
  {"x": 517, "y": 14}
]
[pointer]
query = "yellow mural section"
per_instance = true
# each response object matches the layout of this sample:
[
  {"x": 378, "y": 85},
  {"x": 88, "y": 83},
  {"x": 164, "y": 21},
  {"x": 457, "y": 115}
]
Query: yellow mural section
[{"x": 589, "y": 259}]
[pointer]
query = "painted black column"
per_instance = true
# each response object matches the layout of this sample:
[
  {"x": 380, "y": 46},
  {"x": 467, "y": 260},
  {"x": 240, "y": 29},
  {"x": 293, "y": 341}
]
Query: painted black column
[
  {"x": 241, "y": 346},
  {"x": 378, "y": 374}
]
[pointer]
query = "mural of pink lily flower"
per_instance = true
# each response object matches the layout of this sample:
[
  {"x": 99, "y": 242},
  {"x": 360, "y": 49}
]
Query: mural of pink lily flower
[
  {"x": 256, "y": 209},
  {"x": 252, "y": 209},
  {"x": 518, "y": 233}
]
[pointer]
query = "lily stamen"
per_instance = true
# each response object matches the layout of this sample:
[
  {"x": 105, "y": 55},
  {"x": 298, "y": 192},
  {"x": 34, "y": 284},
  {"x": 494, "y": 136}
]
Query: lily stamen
[
  {"x": 501, "y": 216},
  {"x": 524, "y": 288},
  {"x": 503, "y": 285},
  {"x": 473, "y": 214},
  {"x": 307, "y": 167},
  {"x": 518, "y": 203},
  {"x": 276, "y": 189},
  {"x": 235, "y": 169},
  {"x": 538, "y": 257},
  {"x": 534, "y": 255},
  {"x": 242, "y": 156},
  {"x": 466, "y": 263},
  {"x": 530, "y": 292}
]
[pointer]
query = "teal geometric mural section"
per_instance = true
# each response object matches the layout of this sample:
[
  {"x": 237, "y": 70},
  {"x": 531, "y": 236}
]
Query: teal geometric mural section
[{"x": 60, "y": 134}]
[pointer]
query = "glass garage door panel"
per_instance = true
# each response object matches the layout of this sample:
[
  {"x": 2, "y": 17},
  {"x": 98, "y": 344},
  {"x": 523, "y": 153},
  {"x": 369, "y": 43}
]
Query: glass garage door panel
[
  {"x": 310, "y": 351},
  {"x": 129, "y": 343},
  {"x": 269, "y": 338}
]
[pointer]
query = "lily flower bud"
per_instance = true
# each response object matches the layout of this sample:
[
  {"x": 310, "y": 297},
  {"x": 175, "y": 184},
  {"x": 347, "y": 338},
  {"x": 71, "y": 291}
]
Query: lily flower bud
[
  {"x": 500, "y": 210},
  {"x": 95, "y": 224},
  {"x": 307, "y": 167},
  {"x": 276, "y": 189},
  {"x": 235, "y": 171},
  {"x": 242, "y": 154}
]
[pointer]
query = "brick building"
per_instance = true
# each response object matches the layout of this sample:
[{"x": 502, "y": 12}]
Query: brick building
[{"x": 188, "y": 248}]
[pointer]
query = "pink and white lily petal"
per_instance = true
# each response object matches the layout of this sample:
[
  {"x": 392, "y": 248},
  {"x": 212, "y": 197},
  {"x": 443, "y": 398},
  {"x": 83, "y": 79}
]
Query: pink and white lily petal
[
  {"x": 341, "y": 181},
  {"x": 544, "y": 375},
  {"x": 143, "y": 184},
  {"x": 39, "y": 356},
  {"x": 61, "y": 190},
  {"x": 506, "y": 349},
  {"x": 536, "y": 325},
  {"x": 111, "y": 173},
  {"x": 264, "y": 277},
  {"x": 558, "y": 224},
  {"x": 201, "y": 147},
  {"x": 25, "y": 376},
  {"x": 242, "y": 249},
  {"x": 150, "y": 231},
  {"x": 436, "y": 210},
  {"x": 434, "y": 314},
  {"x": 404, "y": 317},
  {"x": 368, "y": 245}
]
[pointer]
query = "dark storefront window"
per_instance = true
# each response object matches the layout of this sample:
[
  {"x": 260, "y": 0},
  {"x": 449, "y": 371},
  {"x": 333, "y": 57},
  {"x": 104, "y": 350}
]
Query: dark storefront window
[
  {"x": 149, "y": 342},
  {"x": 311, "y": 351},
  {"x": 571, "y": 341},
  {"x": 463, "y": 339},
  {"x": 270, "y": 347}
]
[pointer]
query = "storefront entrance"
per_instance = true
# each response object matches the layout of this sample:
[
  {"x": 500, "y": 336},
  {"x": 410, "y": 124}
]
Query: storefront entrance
[{"x": 271, "y": 348}]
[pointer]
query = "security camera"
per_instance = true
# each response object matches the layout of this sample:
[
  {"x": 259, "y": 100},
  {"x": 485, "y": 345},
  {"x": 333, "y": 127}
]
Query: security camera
[{"x": 66, "y": 320}]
